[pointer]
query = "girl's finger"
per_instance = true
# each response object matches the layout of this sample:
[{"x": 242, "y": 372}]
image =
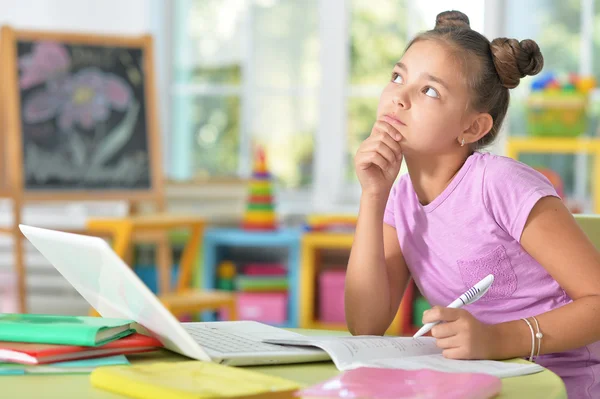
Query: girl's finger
[
  {"x": 388, "y": 128},
  {"x": 443, "y": 330},
  {"x": 380, "y": 147},
  {"x": 454, "y": 353},
  {"x": 392, "y": 122},
  {"x": 373, "y": 158},
  {"x": 389, "y": 141},
  {"x": 447, "y": 343},
  {"x": 439, "y": 313}
]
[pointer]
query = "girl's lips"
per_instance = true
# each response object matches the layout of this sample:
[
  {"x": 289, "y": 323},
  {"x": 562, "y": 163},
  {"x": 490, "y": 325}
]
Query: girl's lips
[{"x": 394, "y": 120}]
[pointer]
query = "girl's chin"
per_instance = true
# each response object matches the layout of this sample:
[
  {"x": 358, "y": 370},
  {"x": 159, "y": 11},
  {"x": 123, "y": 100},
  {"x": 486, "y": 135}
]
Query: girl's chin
[{"x": 406, "y": 147}]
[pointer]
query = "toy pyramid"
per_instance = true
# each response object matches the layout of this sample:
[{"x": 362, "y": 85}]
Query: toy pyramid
[{"x": 260, "y": 207}]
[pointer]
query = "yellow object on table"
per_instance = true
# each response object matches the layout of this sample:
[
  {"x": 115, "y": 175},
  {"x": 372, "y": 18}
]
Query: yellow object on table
[
  {"x": 191, "y": 380},
  {"x": 183, "y": 298}
]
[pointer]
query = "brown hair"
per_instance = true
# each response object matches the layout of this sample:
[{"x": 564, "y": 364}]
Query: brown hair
[{"x": 490, "y": 68}]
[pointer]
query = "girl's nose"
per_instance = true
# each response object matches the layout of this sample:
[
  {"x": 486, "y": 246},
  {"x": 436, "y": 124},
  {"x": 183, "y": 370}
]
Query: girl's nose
[{"x": 400, "y": 99}]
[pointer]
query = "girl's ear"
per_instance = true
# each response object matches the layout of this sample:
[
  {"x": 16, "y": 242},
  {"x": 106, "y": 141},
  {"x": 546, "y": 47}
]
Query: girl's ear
[{"x": 479, "y": 127}]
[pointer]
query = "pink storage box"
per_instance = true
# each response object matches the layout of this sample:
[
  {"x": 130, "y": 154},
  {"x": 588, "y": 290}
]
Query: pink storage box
[
  {"x": 266, "y": 307},
  {"x": 331, "y": 296}
]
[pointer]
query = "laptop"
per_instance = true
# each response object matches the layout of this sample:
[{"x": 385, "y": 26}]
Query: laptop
[{"x": 114, "y": 290}]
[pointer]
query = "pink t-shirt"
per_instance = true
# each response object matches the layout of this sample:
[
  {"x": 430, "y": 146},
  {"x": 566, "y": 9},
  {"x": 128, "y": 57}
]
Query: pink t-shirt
[{"x": 472, "y": 229}]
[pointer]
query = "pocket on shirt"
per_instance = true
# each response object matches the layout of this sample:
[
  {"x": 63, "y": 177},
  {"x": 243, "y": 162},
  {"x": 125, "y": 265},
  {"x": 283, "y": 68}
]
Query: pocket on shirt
[{"x": 495, "y": 262}]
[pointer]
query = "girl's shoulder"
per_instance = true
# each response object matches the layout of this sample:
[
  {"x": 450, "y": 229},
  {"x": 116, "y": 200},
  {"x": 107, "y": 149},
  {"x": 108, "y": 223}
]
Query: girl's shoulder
[
  {"x": 495, "y": 162},
  {"x": 506, "y": 172},
  {"x": 510, "y": 189}
]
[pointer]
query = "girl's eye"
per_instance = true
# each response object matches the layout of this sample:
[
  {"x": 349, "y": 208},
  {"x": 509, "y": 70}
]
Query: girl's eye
[
  {"x": 396, "y": 78},
  {"x": 431, "y": 92}
]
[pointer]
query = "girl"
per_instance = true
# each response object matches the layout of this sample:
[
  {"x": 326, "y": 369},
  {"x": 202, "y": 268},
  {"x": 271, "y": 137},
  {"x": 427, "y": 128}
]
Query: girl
[{"x": 459, "y": 215}]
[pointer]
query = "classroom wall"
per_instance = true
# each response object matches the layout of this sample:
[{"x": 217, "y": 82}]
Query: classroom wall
[{"x": 102, "y": 16}]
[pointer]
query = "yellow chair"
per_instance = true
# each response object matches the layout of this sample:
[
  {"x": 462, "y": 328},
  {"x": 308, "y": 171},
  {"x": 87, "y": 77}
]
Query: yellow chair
[{"x": 183, "y": 299}]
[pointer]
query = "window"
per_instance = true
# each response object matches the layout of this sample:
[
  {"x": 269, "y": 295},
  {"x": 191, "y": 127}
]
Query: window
[
  {"x": 245, "y": 74},
  {"x": 206, "y": 74}
]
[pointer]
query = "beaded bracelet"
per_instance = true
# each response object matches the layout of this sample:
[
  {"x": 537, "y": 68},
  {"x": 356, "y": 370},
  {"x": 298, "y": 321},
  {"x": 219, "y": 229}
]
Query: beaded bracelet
[{"x": 532, "y": 339}]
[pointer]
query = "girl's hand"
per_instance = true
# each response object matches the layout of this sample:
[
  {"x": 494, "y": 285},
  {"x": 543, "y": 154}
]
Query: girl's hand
[
  {"x": 378, "y": 159},
  {"x": 461, "y": 336}
]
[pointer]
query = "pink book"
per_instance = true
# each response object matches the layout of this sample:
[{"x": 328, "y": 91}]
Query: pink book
[
  {"x": 265, "y": 269},
  {"x": 379, "y": 383}
]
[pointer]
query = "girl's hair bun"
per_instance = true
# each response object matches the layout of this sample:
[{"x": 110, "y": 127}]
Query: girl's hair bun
[
  {"x": 452, "y": 19},
  {"x": 514, "y": 60}
]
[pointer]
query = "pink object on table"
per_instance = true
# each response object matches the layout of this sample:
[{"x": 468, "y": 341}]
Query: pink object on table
[
  {"x": 265, "y": 269},
  {"x": 331, "y": 296},
  {"x": 380, "y": 383},
  {"x": 266, "y": 307}
]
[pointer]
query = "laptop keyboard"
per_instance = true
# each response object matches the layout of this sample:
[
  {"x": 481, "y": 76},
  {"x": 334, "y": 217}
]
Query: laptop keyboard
[{"x": 222, "y": 341}]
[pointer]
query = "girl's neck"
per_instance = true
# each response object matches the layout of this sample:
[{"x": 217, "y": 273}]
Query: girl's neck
[{"x": 431, "y": 174}]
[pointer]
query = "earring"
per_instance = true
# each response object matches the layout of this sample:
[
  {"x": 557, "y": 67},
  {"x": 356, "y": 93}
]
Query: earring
[{"x": 462, "y": 143}]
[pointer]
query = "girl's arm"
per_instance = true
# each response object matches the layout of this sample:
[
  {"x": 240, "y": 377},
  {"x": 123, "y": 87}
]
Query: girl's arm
[
  {"x": 553, "y": 237},
  {"x": 377, "y": 274}
]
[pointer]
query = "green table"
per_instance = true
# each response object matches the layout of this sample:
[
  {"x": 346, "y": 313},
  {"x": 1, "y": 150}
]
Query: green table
[{"x": 544, "y": 385}]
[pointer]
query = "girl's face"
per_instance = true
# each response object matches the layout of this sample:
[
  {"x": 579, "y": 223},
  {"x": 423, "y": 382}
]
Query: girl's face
[{"x": 426, "y": 100}]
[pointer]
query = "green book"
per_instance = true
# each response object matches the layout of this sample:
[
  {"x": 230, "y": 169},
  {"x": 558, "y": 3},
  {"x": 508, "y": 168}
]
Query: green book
[
  {"x": 63, "y": 330},
  {"x": 261, "y": 283}
]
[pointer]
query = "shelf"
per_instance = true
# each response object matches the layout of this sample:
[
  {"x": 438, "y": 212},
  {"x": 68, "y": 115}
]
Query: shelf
[
  {"x": 218, "y": 240},
  {"x": 328, "y": 240},
  {"x": 248, "y": 238},
  {"x": 552, "y": 144}
]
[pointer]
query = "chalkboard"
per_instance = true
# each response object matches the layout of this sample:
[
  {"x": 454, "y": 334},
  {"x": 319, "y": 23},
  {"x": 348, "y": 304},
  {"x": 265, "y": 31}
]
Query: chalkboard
[
  {"x": 83, "y": 116},
  {"x": 79, "y": 116}
]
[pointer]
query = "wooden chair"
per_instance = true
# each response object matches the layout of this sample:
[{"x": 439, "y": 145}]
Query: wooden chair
[{"x": 183, "y": 298}]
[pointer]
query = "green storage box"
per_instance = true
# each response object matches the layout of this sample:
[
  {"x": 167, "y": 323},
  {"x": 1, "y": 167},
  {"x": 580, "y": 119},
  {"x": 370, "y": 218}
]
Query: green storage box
[{"x": 560, "y": 114}]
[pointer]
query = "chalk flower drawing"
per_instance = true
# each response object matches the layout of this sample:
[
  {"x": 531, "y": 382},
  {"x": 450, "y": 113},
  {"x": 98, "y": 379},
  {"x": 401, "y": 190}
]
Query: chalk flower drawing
[
  {"x": 79, "y": 102},
  {"x": 47, "y": 61},
  {"x": 85, "y": 98}
]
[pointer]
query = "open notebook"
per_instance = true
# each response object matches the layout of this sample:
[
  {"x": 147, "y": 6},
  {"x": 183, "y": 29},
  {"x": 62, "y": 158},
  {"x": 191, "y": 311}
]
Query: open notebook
[{"x": 403, "y": 353}]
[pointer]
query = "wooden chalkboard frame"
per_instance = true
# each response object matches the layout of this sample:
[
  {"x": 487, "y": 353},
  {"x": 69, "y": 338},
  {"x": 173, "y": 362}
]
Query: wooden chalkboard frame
[
  {"x": 12, "y": 184},
  {"x": 11, "y": 94}
]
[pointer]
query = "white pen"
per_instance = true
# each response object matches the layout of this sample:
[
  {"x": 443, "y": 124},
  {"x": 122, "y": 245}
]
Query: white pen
[{"x": 472, "y": 295}]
